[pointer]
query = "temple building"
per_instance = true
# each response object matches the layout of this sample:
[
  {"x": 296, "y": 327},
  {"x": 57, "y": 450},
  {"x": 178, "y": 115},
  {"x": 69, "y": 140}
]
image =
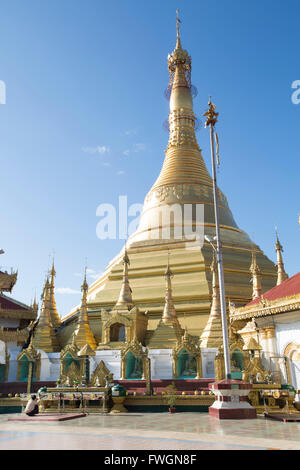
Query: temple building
[
  {"x": 129, "y": 305},
  {"x": 15, "y": 322},
  {"x": 155, "y": 312},
  {"x": 272, "y": 319}
]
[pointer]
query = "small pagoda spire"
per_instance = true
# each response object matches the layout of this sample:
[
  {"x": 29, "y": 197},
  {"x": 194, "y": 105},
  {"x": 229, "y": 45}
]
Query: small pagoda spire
[
  {"x": 35, "y": 305},
  {"x": 56, "y": 321},
  {"x": 125, "y": 297},
  {"x": 281, "y": 274},
  {"x": 256, "y": 274},
  {"x": 168, "y": 332},
  {"x": 44, "y": 337},
  {"x": 83, "y": 333},
  {"x": 211, "y": 336},
  {"x": 169, "y": 312}
]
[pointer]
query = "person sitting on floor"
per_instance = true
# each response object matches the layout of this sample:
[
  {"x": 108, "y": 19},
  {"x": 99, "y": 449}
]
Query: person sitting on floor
[{"x": 32, "y": 407}]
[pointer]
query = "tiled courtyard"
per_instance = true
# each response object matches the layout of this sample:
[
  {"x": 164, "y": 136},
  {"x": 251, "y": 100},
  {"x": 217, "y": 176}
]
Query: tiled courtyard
[{"x": 149, "y": 431}]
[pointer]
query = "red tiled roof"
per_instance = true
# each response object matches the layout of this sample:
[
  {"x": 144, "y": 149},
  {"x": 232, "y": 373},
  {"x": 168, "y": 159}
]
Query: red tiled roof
[
  {"x": 286, "y": 289},
  {"x": 11, "y": 304}
]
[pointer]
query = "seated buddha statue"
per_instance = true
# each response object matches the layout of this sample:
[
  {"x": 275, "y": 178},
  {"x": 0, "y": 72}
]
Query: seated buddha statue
[
  {"x": 190, "y": 367},
  {"x": 138, "y": 369}
]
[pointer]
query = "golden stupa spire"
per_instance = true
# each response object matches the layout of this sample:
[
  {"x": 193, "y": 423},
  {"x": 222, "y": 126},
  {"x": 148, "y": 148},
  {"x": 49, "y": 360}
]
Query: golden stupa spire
[
  {"x": 56, "y": 321},
  {"x": 169, "y": 312},
  {"x": 281, "y": 274},
  {"x": 168, "y": 331},
  {"x": 211, "y": 336},
  {"x": 184, "y": 176},
  {"x": 83, "y": 333},
  {"x": 125, "y": 297},
  {"x": 256, "y": 274},
  {"x": 44, "y": 337}
]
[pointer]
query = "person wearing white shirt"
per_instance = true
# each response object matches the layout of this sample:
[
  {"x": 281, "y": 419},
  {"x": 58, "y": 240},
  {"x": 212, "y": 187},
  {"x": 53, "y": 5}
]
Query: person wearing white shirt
[{"x": 32, "y": 407}]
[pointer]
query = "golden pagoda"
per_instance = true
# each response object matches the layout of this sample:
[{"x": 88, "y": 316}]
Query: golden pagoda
[
  {"x": 44, "y": 337},
  {"x": 185, "y": 182},
  {"x": 83, "y": 333}
]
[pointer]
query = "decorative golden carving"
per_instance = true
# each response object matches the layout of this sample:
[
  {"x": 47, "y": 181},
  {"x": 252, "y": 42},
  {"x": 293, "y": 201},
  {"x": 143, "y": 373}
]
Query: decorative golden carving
[
  {"x": 191, "y": 346},
  {"x": 18, "y": 314},
  {"x": 291, "y": 353},
  {"x": 17, "y": 336},
  {"x": 236, "y": 344},
  {"x": 211, "y": 115},
  {"x": 7, "y": 281},
  {"x": 71, "y": 350},
  {"x": 73, "y": 374},
  {"x": 219, "y": 366},
  {"x": 101, "y": 375},
  {"x": 265, "y": 307},
  {"x": 136, "y": 348},
  {"x": 31, "y": 355},
  {"x": 255, "y": 372}
]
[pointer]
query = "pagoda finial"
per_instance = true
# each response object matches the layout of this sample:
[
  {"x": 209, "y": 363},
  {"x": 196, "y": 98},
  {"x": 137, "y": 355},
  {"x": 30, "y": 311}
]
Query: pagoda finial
[
  {"x": 256, "y": 273},
  {"x": 281, "y": 274},
  {"x": 52, "y": 271},
  {"x": 84, "y": 287},
  {"x": 178, "y": 21}
]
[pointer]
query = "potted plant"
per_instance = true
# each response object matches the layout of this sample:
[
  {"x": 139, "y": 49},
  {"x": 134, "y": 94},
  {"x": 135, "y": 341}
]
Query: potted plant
[{"x": 171, "y": 397}]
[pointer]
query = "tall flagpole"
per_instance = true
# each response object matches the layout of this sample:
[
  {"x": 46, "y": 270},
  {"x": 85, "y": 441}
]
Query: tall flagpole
[{"x": 211, "y": 120}]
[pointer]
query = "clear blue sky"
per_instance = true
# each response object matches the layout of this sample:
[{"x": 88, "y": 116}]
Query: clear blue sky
[{"x": 82, "y": 75}]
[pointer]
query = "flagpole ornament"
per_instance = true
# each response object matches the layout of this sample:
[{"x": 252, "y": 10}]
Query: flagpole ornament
[{"x": 211, "y": 115}]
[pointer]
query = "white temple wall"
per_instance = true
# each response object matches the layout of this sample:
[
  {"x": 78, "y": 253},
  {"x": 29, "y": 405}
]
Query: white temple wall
[
  {"x": 50, "y": 366},
  {"x": 208, "y": 362},
  {"x": 13, "y": 351},
  {"x": 287, "y": 333},
  {"x": 112, "y": 360},
  {"x": 2, "y": 353},
  {"x": 161, "y": 363}
]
